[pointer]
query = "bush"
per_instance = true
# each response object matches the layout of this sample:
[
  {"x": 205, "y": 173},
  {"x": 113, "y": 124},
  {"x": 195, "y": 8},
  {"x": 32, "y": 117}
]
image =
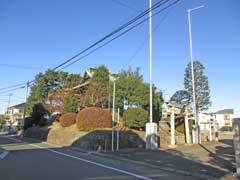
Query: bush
[
  {"x": 92, "y": 118},
  {"x": 67, "y": 119},
  {"x": 181, "y": 127},
  {"x": 38, "y": 113},
  {"x": 42, "y": 122},
  {"x": 28, "y": 123},
  {"x": 226, "y": 128},
  {"x": 136, "y": 118}
]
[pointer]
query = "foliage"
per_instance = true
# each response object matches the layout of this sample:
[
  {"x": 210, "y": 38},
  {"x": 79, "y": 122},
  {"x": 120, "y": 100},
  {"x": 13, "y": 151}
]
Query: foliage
[
  {"x": 130, "y": 85},
  {"x": 98, "y": 90},
  {"x": 28, "y": 123},
  {"x": 68, "y": 119},
  {"x": 38, "y": 113},
  {"x": 226, "y": 128},
  {"x": 201, "y": 85},
  {"x": 182, "y": 97},
  {"x": 47, "y": 84},
  {"x": 181, "y": 127},
  {"x": 2, "y": 121},
  {"x": 92, "y": 118},
  {"x": 135, "y": 118},
  {"x": 70, "y": 102}
]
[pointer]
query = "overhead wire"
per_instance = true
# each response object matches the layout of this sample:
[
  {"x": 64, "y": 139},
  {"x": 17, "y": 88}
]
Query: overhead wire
[
  {"x": 119, "y": 35},
  {"x": 10, "y": 90},
  {"x": 70, "y": 61},
  {"x": 12, "y": 86},
  {"x": 156, "y": 5}
]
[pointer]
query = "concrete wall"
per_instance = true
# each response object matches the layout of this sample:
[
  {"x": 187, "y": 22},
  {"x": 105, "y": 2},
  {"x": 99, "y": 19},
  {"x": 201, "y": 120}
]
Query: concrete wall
[{"x": 90, "y": 140}]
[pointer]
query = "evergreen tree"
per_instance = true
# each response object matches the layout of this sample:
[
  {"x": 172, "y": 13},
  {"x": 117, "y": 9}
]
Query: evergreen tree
[
  {"x": 201, "y": 86},
  {"x": 97, "y": 92},
  {"x": 70, "y": 103}
]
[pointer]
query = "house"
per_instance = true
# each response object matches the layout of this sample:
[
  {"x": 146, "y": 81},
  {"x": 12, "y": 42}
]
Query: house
[
  {"x": 219, "y": 119},
  {"x": 224, "y": 117},
  {"x": 207, "y": 120},
  {"x": 82, "y": 88},
  {"x": 14, "y": 115}
]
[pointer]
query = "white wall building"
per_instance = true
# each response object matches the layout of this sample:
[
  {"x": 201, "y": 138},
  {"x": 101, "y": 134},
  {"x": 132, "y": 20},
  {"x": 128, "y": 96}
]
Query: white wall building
[
  {"x": 206, "y": 120},
  {"x": 225, "y": 117},
  {"x": 219, "y": 119},
  {"x": 14, "y": 115}
]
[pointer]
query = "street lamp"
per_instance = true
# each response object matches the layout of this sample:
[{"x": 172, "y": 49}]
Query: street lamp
[
  {"x": 193, "y": 78},
  {"x": 151, "y": 128},
  {"x": 112, "y": 78}
]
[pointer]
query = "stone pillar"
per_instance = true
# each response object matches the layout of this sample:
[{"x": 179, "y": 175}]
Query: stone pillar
[
  {"x": 210, "y": 131},
  {"x": 172, "y": 124},
  {"x": 186, "y": 123},
  {"x": 236, "y": 142}
]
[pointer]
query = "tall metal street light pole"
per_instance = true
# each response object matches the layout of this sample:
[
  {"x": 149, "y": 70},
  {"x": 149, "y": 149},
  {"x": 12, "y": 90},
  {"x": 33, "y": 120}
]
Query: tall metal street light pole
[
  {"x": 150, "y": 58},
  {"x": 193, "y": 75},
  {"x": 151, "y": 128}
]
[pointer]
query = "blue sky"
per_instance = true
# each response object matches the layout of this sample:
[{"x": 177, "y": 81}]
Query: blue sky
[{"x": 42, "y": 34}]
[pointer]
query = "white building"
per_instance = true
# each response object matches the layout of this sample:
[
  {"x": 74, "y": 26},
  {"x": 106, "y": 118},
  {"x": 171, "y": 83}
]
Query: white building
[
  {"x": 207, "y": 120},
  {"x": 225, "y": 117},
  {"x": 14, "y": 115},
  {"x": 219, "y": 119}
]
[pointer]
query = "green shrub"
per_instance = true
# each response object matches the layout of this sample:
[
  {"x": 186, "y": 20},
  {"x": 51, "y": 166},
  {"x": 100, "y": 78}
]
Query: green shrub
[
  {"x": 226, "y": 128},
  {"x": 38, "y": 113},
  {"x": 28, "y": 123},
  {"x": 67, "y": 119},
  {"x": 181, "y": 128},
  {"x": 136, "y": 118},
  {"x": 70, "y": 103},
  {"x": 92, "y": 118}
]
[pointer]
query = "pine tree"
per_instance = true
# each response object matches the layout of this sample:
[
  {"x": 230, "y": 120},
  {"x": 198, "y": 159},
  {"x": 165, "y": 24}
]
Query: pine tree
[{"x": 201, "y": 86}]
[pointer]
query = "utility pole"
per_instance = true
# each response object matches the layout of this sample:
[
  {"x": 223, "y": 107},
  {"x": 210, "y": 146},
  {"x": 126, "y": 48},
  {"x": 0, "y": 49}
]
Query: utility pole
[
  {"x": 25, "y": 107},
  {"x": 113, "y": 113},
  {"x": 150, "y": 58},
  {"x": 109, "y": 91},
  {"x": 198, "y": 133},
  {"x": 118, "y": 130},
  {"x": 9, "y": 100},
  {"x": 151, "y": 128}
]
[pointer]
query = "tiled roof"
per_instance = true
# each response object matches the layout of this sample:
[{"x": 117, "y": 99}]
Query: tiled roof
[{"x": 225, "y": 111}]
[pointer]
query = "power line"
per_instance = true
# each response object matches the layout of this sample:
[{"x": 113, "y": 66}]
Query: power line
[
  {"x": 145, "y": 41},
  {"x": 12, "y": 86},
  {"x": 156, "y": 5},
  {"x": 10, "y": 90},
  {"x": 119, "y": 35}
]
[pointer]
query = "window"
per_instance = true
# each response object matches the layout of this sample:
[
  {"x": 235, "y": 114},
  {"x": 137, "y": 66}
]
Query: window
[{"x": 227, "y": 120}]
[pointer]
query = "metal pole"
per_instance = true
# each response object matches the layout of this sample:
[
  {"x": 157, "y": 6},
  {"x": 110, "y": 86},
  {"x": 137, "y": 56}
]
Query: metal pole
[
  {"x": 113, "y": 118},
  {"x": 109, "y": 92},
  {"x": 193, "y": 76},
  {"x": 25, "y": 107},
  {"x": 9, "y": 100},
  {"x": 118, "y": 131},
  {"x": 150, "y": 57}
]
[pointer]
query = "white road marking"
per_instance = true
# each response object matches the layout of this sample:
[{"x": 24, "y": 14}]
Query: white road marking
[
  {"x": 3, "y": 154},
  {"x": 84, "y": 160}
]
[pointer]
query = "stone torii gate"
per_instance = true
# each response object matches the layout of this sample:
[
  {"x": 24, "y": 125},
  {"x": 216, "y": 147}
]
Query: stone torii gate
[{"x": 174, "y": 109}]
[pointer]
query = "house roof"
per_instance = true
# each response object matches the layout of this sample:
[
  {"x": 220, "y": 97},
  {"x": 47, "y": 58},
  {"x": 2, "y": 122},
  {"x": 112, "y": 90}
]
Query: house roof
[
  {"x": 21, "y": 105},
  {"x": 225, "y": 111}
]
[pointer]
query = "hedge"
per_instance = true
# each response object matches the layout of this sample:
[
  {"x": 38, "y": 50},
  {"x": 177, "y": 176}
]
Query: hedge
[
  {"x": 67, "y": 119},
  {"x": 92, "y": 118},
  {"x": 136, "y": 118}
]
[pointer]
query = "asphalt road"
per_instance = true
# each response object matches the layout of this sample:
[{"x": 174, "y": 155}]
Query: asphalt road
[{"x": 38, "y": 161}]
